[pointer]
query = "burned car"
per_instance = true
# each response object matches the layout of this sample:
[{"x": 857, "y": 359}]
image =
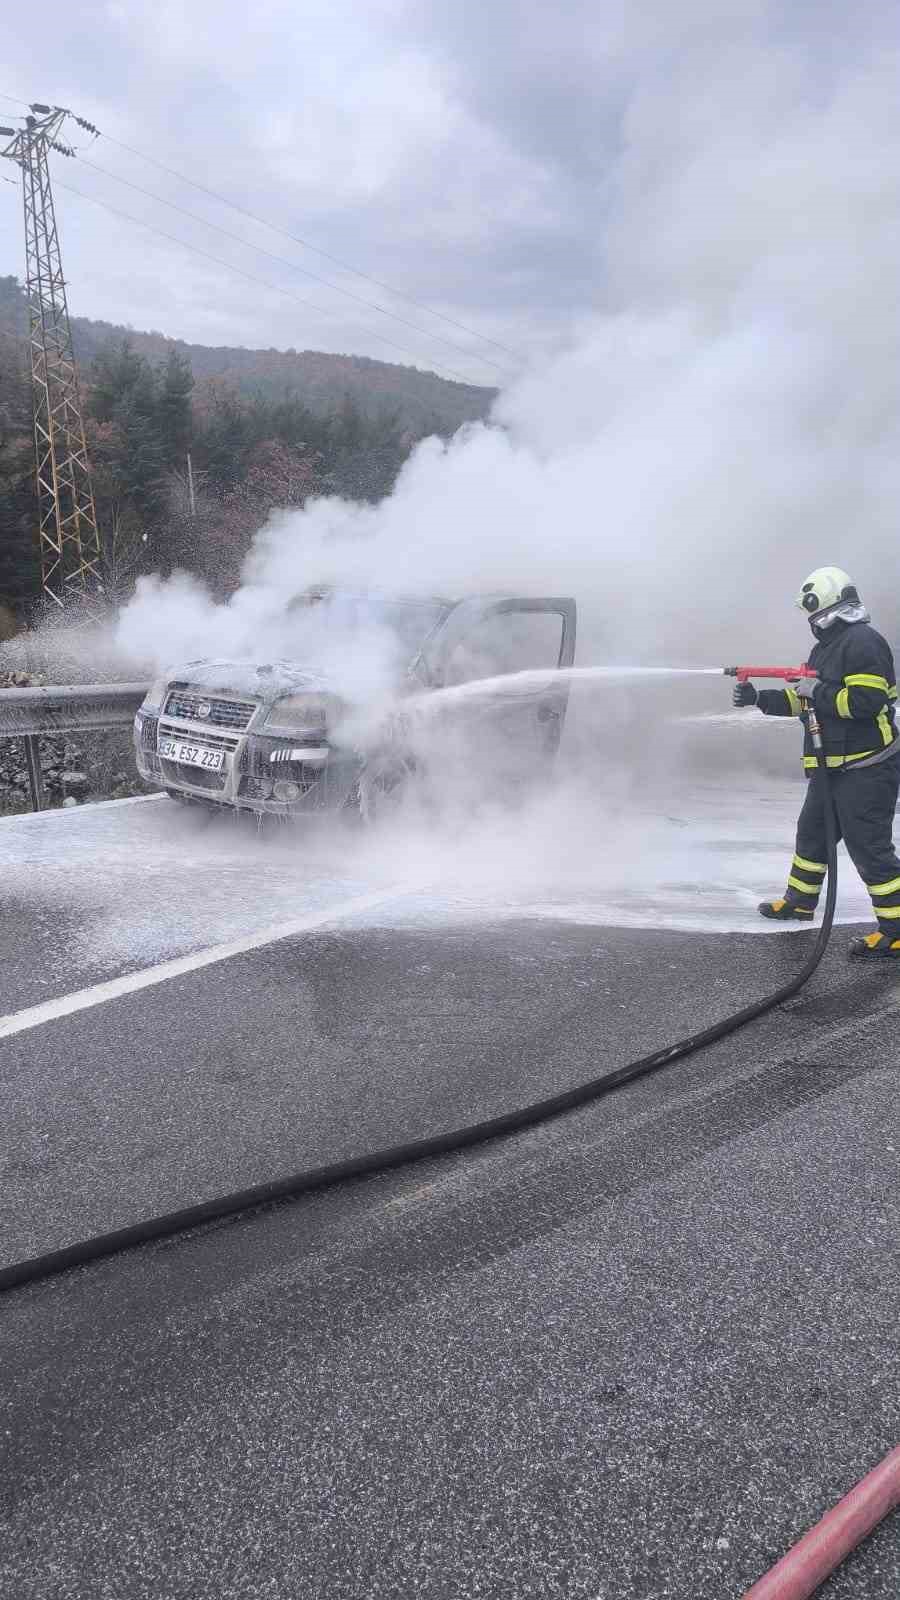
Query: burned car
[{"x": 269, "y": 737}]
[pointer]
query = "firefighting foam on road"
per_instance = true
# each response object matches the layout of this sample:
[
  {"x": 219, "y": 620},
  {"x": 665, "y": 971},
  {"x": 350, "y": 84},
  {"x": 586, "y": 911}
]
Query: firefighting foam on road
[{"x": 139, "y": 881}]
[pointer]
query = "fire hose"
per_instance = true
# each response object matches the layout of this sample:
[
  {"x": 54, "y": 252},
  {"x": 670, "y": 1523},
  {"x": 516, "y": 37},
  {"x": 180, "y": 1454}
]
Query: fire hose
[
  {"x": 814, "y": 1558},
  {"x": 781, "y": 1584}
]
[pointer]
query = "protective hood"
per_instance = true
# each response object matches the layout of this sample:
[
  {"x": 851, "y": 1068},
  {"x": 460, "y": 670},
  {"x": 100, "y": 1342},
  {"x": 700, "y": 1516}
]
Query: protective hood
[{"x": 848, "y": 611}]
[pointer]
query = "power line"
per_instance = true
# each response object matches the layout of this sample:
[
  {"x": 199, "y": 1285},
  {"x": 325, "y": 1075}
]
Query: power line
[
  {"x": 372, "y": 305},
  {"x": 296, "y": 239},
  {"x": 251, "y": 278},
  {"x": 305, "y": 244}
]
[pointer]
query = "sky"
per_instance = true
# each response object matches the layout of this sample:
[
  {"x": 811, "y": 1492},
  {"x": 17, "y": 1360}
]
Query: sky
[{"x": 471, "y": 155}]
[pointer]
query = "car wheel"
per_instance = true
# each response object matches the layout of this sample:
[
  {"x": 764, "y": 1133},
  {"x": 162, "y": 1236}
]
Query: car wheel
[{"x": 384, "y": 787}]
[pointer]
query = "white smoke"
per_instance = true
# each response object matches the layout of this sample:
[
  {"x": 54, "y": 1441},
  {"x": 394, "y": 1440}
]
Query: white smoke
[
  {"x": 344, "y": 638},
  {"x": 729, "y": 421}
]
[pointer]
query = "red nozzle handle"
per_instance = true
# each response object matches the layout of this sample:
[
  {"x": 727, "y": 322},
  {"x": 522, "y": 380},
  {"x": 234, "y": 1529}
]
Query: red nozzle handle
[{"x": 743, "y": 674}]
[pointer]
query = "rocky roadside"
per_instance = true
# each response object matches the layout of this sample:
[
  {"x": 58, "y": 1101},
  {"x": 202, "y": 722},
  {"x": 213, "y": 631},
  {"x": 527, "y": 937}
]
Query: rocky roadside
[{"x": 90, "y": 766}]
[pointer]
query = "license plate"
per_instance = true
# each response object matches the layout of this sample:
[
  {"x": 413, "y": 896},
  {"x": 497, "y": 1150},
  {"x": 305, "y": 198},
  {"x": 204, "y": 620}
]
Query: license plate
[{"x": 192, "y": 755}]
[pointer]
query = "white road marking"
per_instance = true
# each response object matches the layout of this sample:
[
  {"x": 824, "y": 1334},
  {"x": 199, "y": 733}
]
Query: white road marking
[{"x": 99, "y": 993}]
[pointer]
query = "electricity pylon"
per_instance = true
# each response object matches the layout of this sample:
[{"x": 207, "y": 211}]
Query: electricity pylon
[{"x": 69, "y": 539}]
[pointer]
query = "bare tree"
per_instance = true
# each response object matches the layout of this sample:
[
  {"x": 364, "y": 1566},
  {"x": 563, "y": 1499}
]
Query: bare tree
[{"x": 122, "y": 545}]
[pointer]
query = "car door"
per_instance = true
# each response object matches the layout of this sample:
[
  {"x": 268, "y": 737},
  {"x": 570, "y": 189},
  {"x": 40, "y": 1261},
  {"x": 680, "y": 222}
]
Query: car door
[{"x": 505, "y": 635}]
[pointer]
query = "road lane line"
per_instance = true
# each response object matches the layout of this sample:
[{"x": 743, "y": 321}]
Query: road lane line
[{"x": 148, "y": 977}]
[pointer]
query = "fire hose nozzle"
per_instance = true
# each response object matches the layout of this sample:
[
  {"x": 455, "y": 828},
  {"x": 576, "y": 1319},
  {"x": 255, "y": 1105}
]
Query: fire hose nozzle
[{"x": 790, "y": 674}]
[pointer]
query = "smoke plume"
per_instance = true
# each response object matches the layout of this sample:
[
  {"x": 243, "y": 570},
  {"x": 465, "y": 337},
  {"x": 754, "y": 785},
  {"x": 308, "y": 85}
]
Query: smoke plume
[{"x": 726, "y": 421}]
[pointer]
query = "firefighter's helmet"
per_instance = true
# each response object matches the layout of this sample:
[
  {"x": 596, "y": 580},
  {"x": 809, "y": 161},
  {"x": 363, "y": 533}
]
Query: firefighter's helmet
[{"x": 825, "y": 588}]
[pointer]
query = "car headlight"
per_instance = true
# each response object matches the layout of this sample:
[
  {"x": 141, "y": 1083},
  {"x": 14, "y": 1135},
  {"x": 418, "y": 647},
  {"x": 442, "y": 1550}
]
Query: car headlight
[
  {"x": 155, "y": 695},
  {"x": 311, "y": 712}
]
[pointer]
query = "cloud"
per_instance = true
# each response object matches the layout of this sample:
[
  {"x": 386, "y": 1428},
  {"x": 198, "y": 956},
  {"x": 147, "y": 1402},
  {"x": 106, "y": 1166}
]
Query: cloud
[
  {"x": 489, "y": 158},
  {"x": 329, "y": 119}
]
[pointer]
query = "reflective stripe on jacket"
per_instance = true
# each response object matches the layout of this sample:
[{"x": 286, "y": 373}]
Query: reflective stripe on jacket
[{"x": 854, "y": 697}]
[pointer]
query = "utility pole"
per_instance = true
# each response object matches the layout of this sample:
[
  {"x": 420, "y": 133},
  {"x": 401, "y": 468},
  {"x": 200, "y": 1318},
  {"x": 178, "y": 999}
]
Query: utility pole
[{"x": 69, "y": 538}]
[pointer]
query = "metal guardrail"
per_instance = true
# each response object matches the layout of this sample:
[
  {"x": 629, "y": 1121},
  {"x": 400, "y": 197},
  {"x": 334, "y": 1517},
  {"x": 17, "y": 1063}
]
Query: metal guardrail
[{"x": 31, "y": 714}]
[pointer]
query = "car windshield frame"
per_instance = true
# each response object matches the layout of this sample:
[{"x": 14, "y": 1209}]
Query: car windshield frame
[{"x": 412, "y": 618}]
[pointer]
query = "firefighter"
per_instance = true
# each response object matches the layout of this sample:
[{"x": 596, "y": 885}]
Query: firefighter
[{"x": 854, "y": 696}]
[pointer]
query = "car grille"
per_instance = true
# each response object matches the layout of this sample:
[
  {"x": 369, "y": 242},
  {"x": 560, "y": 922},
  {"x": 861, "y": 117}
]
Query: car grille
[
  {"x": 149, "y": 726},
  {"x": 255, "y": 757},
  {"x": 182, "y": 772},
  {"x": 255, "y": 764},
  {"x": 185, "y": 703},
  {"x": 209, "y": 741}
]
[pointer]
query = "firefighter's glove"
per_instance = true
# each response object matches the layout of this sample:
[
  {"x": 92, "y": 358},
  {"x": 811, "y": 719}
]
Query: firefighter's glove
[{"x": 744, "y": 695}]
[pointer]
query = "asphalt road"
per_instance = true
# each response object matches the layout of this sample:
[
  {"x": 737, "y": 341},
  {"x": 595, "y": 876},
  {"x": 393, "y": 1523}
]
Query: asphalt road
[{"x": 629, "y": 1355}]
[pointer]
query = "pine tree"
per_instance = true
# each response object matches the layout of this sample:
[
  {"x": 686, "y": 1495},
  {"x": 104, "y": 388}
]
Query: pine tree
[
  {"x": 125, "y": 398},
  {"x": 173, "y": 409},
  {"x": 20, "y": 562}
]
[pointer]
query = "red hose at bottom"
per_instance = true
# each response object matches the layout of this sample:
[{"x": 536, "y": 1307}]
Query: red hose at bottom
[{"x": 798, "y": 1574}]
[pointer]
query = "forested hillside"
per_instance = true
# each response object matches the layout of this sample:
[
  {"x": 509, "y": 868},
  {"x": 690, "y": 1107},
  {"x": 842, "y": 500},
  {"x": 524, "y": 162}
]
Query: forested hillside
[
  {"x": 259, "y": 428},
  {"x": 421, "y": 401}
]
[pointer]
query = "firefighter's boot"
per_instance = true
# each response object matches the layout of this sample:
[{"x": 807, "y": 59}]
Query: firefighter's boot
[
  {"x": 874, "y": 944},
  {"x": 784, "y": 911}
]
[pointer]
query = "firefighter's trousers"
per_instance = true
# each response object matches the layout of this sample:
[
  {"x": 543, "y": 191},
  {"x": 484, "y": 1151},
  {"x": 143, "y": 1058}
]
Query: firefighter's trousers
[{"x": 865, "y": 802}]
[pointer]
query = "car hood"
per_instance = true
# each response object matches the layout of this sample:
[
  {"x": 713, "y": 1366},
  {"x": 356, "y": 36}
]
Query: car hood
[{"x": 264, "y": 680}]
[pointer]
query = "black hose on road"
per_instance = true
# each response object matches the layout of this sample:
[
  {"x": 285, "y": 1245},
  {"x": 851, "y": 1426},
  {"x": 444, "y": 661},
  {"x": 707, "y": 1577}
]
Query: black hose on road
[{"x": 401, "y": 1155}]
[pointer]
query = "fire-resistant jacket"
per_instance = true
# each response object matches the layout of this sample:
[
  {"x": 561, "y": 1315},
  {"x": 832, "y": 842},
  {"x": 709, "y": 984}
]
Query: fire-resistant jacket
[{"x": 854, "y": 697}]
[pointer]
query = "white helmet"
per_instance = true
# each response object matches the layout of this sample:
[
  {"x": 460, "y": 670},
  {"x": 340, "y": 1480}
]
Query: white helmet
[{"x": 825, "y": 588}]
